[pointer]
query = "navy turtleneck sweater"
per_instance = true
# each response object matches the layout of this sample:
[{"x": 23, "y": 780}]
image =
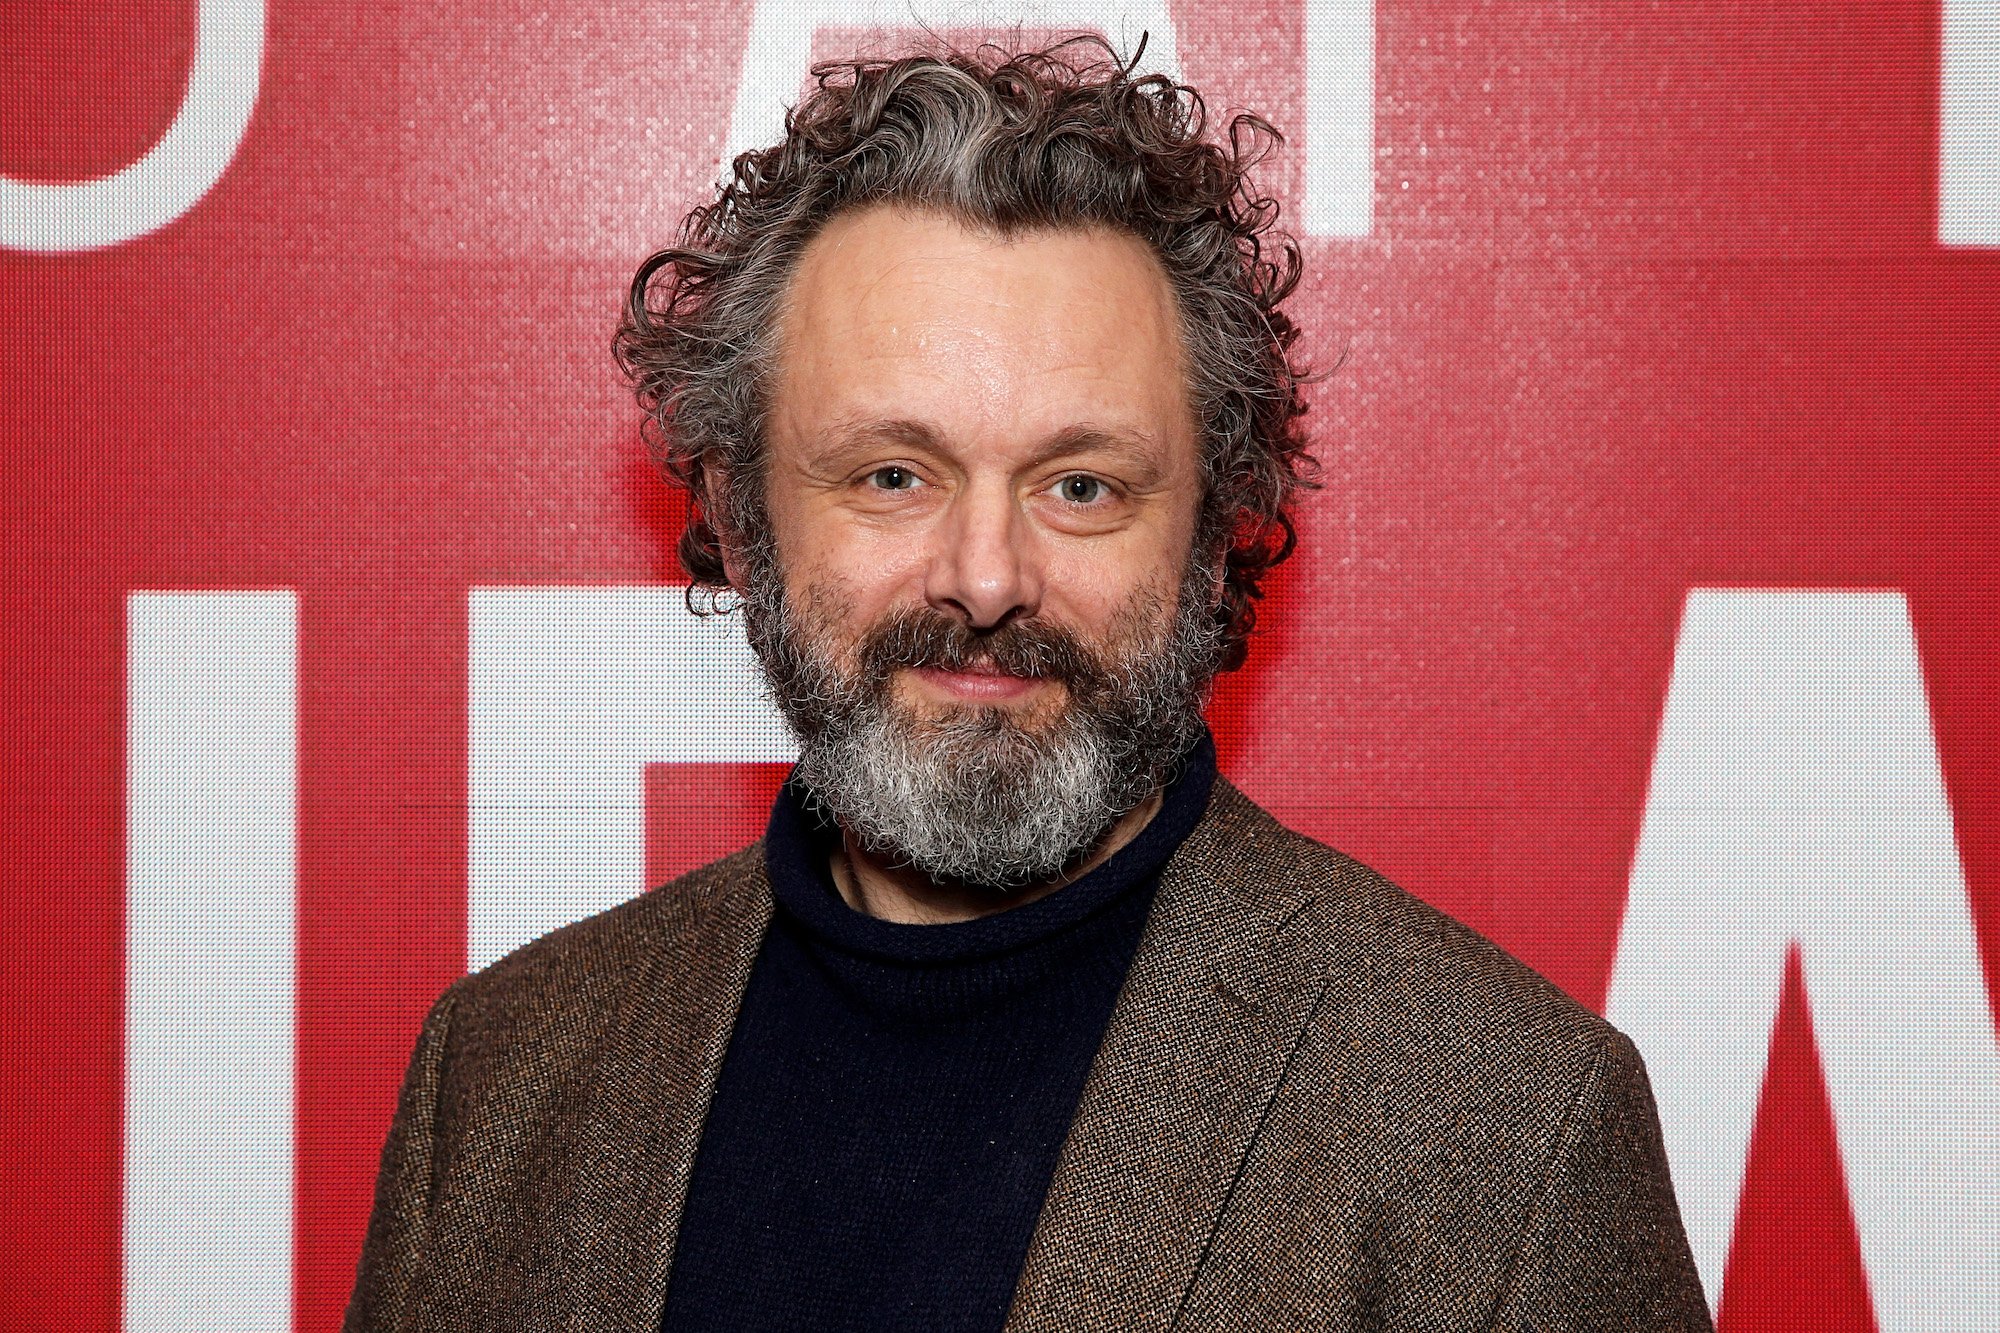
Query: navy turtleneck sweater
[{"x": 893, "y": 1099}]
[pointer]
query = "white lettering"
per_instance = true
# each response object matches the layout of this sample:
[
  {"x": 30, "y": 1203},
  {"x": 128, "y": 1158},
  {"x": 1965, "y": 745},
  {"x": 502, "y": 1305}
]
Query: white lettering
[
  {"x": 173, "y": 176},
  {"x": 1797, "y": 798},
  {"x": 210, "y": 939},
  {"x": 573, "y": 691},
  {"x": 1969, "y": 124},
  {"x": 1340, "y": 117}
]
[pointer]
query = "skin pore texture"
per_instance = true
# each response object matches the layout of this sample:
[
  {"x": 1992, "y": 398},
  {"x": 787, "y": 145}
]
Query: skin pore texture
[{"x": 997, "y": 428}]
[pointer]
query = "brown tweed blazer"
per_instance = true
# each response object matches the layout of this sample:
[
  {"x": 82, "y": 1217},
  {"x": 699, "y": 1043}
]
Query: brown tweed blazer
[{"x": 1319, "y": 1105}]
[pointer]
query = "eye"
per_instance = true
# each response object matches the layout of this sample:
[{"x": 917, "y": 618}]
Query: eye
[
  {"x": 1082, "y": 488},
  {"x": 893, "y": 478}
]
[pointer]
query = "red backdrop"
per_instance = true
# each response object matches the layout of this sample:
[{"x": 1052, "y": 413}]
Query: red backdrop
[{"x": 1650, "y": 299}]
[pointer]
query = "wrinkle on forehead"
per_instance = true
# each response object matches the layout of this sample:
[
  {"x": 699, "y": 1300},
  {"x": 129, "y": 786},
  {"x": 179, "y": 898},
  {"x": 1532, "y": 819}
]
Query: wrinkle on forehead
[
  {"x": 834, "y": 252},
  {"x": 1008, "y": 326}
]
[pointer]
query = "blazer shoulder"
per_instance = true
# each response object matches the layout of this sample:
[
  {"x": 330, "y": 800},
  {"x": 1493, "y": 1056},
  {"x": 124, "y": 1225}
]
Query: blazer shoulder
[
  {"x": 1420, "y": 975},
  {"x": 575, "y": 967},
  {"x": 1468, "y": 1131},
  {"x": 514, "y": 1041}
]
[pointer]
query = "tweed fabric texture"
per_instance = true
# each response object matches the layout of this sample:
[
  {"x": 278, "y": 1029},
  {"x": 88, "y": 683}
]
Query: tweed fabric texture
[{"x": 1319, "y": 1104}]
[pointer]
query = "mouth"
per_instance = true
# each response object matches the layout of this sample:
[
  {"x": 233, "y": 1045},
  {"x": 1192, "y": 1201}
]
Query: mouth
[{"x": 977, "y": 682}]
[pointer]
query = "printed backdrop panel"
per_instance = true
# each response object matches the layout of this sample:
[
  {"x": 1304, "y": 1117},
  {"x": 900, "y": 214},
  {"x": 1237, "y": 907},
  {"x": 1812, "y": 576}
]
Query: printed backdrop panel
[{"x": 1646, "y": 618}]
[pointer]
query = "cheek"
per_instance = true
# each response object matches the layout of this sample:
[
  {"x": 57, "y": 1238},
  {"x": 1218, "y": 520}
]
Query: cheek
[
  {"x": 862, "y": 575},
  {"x": 1150, "y": 554},
  {"x": 819, "y": 548},
  {"x": 842, "y": 594},
  {"x": 1116, "y": 595}
]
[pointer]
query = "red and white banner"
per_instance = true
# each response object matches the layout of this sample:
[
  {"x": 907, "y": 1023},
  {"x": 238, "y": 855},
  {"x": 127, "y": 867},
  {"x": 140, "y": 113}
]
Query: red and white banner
[{"x": 1647, "y": 621}]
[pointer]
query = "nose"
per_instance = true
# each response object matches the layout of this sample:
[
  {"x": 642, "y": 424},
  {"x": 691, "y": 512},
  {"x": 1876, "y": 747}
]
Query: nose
[{"x": 987, "y": 568}]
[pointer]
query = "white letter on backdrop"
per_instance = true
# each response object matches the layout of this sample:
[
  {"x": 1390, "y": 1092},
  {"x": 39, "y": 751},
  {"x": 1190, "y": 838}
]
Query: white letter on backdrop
[
  {"x": 781, "y": 37},
  {"x": 1797, "y": 798},
  {"x": 1340, "y": 117},
  {"x": 211, "y": 797},
  {"x": 573, "y": 691},
  {"x": 173, "y": 176},
  {"x": 1969, "y": 124}
]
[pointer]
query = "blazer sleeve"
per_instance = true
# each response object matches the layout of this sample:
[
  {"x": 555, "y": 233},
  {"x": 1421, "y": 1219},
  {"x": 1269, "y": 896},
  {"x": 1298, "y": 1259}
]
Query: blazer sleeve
[
  {"x": 398, "y": 1228},
  {"x": 1604, "y": 1247}
]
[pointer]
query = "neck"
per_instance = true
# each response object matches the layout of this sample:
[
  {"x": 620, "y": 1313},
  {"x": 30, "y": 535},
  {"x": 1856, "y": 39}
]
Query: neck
[{"x": 903, "y": 894}]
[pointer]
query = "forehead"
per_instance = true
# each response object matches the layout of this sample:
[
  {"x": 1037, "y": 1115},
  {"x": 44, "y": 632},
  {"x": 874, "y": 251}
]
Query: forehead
[{"x": 987, "y": 338}]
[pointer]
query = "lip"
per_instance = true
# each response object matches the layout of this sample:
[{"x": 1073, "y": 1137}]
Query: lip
[{"x": 980, "y": 686}]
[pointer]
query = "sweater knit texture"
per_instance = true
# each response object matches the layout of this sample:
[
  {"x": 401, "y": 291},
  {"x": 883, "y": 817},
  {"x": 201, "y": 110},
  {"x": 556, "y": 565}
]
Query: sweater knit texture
[{"x": 894, "y": 1097}]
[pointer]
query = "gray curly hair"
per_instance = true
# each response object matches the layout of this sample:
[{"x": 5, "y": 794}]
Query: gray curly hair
[{"x": 1064, "y": 137}]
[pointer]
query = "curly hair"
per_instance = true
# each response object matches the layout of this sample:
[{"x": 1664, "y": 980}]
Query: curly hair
[{"x": 1064, "y": 137}]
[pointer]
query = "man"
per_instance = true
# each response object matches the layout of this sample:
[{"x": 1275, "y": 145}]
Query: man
[{"x": 1019, "y": 1016}]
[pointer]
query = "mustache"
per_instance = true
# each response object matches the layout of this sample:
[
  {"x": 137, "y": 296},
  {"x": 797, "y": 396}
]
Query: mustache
[{"x": 922, "y": 636}]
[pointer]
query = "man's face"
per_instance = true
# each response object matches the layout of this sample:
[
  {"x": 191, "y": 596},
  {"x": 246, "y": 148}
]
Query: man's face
[{"x": 983, "y": 487}]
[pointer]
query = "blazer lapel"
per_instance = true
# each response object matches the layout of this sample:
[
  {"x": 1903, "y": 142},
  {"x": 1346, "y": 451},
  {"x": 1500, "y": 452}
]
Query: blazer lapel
[
  {"x": 641, "y": 1117},
  {"x": 1218, "y": 996}
]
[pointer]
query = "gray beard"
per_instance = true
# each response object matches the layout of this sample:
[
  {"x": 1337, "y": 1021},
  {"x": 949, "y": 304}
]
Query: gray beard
[{"x": 975, "y": 798}]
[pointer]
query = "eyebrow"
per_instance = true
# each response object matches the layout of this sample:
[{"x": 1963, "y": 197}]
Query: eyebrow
[
  {"x": 850, "y": 435},
  {"x": 1134, "y": 448}
]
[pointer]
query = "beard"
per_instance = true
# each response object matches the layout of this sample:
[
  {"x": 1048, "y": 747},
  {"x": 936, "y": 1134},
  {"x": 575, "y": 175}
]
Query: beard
[{"x": 983, "y": 796}]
